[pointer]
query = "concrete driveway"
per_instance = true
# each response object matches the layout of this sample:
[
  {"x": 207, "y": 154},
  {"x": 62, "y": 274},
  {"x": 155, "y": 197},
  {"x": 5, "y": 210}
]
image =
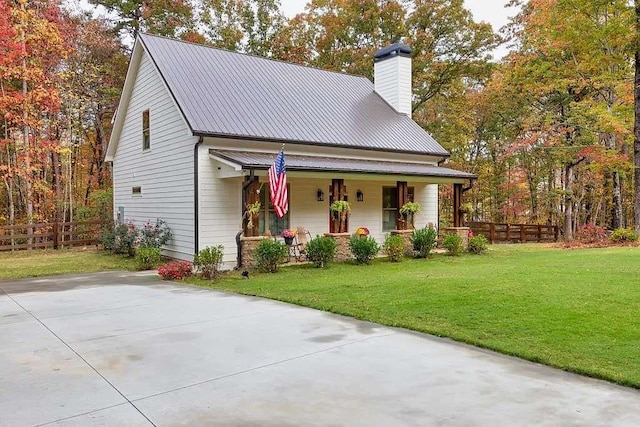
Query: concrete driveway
[{"x": 127, "y": 349}]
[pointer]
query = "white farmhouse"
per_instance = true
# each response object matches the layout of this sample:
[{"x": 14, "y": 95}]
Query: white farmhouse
[{"x": 197, "y": 129}]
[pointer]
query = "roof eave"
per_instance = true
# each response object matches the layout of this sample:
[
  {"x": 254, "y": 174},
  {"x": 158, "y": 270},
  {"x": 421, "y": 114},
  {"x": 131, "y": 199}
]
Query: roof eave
[{"x": 443, "y": 155}]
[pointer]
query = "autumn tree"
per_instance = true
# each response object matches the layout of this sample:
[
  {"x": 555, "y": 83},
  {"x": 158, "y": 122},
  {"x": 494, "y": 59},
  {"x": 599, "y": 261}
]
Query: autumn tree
[
  {"x": 248, "y": 26},
  {"x": 571, "y": 65},
  {"x": 30, "y": 102},
  {"x": 171, "y": 18}
]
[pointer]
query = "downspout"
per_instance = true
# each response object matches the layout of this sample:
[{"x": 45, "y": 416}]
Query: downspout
[
  {"x": 245, "y": 185},
  {"x": 196, "y": 191},
  {"x": 465, "y": 189}
]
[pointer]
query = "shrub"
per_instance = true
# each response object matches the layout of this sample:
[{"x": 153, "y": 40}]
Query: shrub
[
  {"x": 363, "y": 249},
  {"x": 321, "y": 251},
  {"x": 108, "y": 236},
  {"x": 453, "y": 244},
  {"x": 424, "y": 241},
  {"x": 393, "y": 247},
  {"x": 269, "y": 254},
  {"x": 176, "y": 270},
  {"x": 591, "y": 233},
  {"x": 147, "y": 257},
  {"x": 208, "y": 260},
  {"x": 155, "y": 235},
  {"x": 126, "y": 238},
  {"x": 478, "y": 244},
  {"x": 622, "y": 235}
]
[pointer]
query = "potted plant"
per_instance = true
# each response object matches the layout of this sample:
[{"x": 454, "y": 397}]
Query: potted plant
[
  {"x": 466, "y": 208},
  {"x": 408, "y": 211},
  {"x": 288, "y": 235},
  {"x": 252, "y": 213},
  {"x": 362, "y": 232},
  {"x": 341, "y": 209}
]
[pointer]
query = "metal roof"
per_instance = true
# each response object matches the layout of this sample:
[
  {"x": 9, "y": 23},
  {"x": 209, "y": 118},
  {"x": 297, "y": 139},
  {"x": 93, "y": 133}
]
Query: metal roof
[
  {"x": 223, "y": 93},
  {"x": 329, "y": 164}
]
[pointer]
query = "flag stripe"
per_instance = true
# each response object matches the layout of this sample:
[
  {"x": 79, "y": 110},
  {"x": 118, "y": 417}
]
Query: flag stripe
[{"x": 278, "y": 185}]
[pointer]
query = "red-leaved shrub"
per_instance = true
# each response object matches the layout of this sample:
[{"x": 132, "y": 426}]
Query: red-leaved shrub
[
  {"x": 591, "y": 233},
  {"x": 176, "y": 270}
]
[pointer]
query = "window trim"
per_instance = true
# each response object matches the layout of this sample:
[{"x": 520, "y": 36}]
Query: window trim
[
  {"x": 146, "y": 130},
  {"x": 136, "y": 191},
  {"x": 266, "y": 209},
  {"x": 411, "y": 190}
]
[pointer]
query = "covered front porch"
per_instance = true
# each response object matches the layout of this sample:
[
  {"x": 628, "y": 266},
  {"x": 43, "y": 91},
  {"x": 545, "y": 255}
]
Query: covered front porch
[{"x": 374, "y": 190}]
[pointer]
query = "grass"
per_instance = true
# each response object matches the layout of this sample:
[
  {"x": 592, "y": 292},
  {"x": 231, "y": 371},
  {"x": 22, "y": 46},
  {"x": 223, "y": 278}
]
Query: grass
[
  {"x": 21, "y": 264},
  {"x": 577, "y": 310}
]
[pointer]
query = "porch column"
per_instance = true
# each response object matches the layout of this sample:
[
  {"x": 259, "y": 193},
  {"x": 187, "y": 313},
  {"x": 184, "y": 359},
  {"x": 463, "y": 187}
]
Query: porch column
[
  {"x": 250, "y": 222},
  {"x": 403, "y": 197},
  {"x": 457, "y": 203},
  {"x": 338, "y": 192}
]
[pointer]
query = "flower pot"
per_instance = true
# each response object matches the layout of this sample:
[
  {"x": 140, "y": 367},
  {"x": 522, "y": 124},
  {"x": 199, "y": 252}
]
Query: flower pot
[{"x": 288, "y": 240}]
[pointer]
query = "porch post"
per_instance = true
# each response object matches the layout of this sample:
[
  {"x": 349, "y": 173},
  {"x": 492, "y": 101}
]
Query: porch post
[
  {"x": 337, "y": 194},
  {"x": 250, "y": 196},
  {"x": 403, "y": 197},
  {"x": 457, "y": 203}
]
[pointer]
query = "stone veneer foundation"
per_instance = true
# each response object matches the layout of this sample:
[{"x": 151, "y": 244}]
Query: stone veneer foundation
[
  {"x": 249, "y": 245},
  {"x": 342, "y": 246}
]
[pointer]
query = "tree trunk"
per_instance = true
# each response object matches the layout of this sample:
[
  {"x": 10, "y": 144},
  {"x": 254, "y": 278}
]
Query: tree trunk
[
  {"x": 568, "y": 202},
  {"x": 636, "y": 130},
  {"x": 25, "y": 130}
]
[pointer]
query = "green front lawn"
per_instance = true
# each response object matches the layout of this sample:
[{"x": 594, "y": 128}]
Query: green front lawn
[
  {"x": 36, "y": 263},
  {"x": 578, "y": 310}
]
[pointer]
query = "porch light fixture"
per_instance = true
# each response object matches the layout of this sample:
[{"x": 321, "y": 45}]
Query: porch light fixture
[
  {"x": 320, "y": 195},
  {"x": 359, "y": 196}
]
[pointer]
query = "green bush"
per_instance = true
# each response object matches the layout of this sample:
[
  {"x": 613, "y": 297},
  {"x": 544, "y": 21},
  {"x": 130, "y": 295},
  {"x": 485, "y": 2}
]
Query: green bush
[
  {"x": 156, "y": 235},
  {"x": 208, "y": 261},
  {"x": 478, "y": 244},
  {"x": 108, "y": 236},
  {"x": 321, "y": 251},
  {"x": 269, "y": 254},
  {"x": 621, "y": 235},
  {"x": 393, "y": 247},
  {"x": 363, "y": 249},
  {"x": 126, "y": 238},
  {"x": 424, "y": 241},
  {"x": 147, "y": 257},
  {"x": 453, "y": 244}
]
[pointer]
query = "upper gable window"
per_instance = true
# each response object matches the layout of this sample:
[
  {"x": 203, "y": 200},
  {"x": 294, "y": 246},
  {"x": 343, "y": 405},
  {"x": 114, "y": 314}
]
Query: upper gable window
[{"x": 146, "y": 136}]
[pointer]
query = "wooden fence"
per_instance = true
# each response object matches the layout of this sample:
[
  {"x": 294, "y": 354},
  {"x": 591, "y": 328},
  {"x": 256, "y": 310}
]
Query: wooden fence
[
  {"x": 515, "y": 232},
  {"x": 49, "y": 235}
]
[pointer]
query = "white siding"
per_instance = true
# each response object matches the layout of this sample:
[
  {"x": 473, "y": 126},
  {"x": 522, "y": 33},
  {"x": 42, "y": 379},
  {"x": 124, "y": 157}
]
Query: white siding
[
  {"x": 220, "y": 206},
  {"x": 165, "y": 172},
  {"x": 392, "y": 80}
]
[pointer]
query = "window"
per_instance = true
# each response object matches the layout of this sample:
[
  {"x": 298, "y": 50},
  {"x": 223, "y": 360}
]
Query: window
[
  {"x": 136, "y": 191},
  {"x": 146, "y": 136},
  {"x": 268, "y": 218},
  {"x": 390, "y": 206}
]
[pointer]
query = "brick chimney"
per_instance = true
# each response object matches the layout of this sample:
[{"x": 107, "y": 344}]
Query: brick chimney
[{"x": 392, "y": 76}]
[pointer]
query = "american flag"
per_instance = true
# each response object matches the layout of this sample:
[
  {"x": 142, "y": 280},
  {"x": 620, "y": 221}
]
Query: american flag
[{"x": 278, "y": 185}]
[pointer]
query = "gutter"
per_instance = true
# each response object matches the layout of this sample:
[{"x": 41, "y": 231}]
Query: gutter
[{"x": 196, "y": 191}]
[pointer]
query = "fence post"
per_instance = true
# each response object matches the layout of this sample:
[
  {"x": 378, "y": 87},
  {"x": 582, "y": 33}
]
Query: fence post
[
  {"x": 492, "y": 231},
  {"x": 555, "y": 233},
  {"x": 522, "y": 234},
  {"x": 539, "y": 233},
  {"x": 55, "y": 235}
]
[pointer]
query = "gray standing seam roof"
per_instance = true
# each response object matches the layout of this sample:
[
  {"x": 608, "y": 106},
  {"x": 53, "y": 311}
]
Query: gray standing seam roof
[
  {"x": 223, "y": 93},
  {"x": 324, "y": 164}
]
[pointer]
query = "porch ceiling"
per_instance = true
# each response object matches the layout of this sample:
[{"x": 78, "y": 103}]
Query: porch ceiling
[{"x": 252, "y": 160}]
